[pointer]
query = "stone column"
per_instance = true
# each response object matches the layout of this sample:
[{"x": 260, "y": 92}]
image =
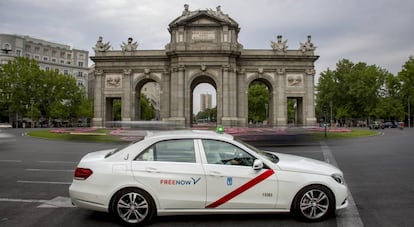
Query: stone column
[
  {"x": 226, "y": 91},
  {"x": 242, "y": 96},
  {"x": 181, "y": 90},
  {"x": 126, "y": 95},
  {"x": 97, "y": 120},
  {"x": 165, "y": 94},
  {"x": 280, "y": 102},
  {"x": 309, "y": 98}
]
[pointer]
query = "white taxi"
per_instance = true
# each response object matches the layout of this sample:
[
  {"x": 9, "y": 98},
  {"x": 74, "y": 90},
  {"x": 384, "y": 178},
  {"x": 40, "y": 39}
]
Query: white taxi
[{"x": 203, "y": 172}]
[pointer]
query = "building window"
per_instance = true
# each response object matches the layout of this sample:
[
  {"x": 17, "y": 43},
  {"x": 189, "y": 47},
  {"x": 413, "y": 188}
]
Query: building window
[
  {"x": 68, "y": 62},
  {"x": 47, "y": 68},
  {"x": 62, "y": 54},
  {"x": 46, "y": 51},
  {"x": 80, "y": 64},
  {"x": 45, "y": 58},
  {"x": 80, "y": 83},
  {"x": 27, "y": 55},
  {"x": 65, "y": 72},
  {"x": 37, "y": 57},
  {"x": 53, "y": 59},
  {"x": 53, "y": 53},
  {"x": 18, "y": 53},
  {"x": 28, "y": 48},
  {"x": 69, "y": 56},
  {"x": 36, "y": 50},
  {"x": 62, "y": 61},
  {"x": 80, "y": 75}
]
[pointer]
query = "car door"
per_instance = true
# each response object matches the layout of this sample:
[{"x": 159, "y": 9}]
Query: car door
[
  {"x": 172, "y": 170},
  {"x": 231, "y": 180}
]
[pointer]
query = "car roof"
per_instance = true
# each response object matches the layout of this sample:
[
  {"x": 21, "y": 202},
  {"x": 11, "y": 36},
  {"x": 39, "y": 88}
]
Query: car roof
[{"x": 181, "y": 134}]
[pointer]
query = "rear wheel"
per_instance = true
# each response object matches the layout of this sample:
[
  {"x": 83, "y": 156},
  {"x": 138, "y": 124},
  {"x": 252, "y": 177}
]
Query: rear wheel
[
  {"x": 133, "y": 206},
  {"x": 314, "y": 203}
]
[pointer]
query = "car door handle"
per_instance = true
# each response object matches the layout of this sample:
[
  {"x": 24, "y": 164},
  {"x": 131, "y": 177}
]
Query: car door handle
[
  {"x": 216, "y": 173},
  {"x": 152, "y": 170}
]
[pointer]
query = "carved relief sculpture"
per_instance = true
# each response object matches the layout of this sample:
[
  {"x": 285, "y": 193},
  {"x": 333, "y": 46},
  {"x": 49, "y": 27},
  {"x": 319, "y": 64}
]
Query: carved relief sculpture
[
  {"x": 113, "y": 81},
  {"x": 279, "y": 45},
  {"x": 100, "y": 46},
  {"x": 295, "y": 80},
  {"x": 129, "y": 47}
]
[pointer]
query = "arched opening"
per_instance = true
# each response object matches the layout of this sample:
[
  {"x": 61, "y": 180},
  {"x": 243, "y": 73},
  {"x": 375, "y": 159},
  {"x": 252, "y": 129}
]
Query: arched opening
[
  {"x": 203, "y": 102},
  {"x": 295, "y": 111},
  {"x": 147, "y": 100},
  {"x": 113, "y": 111},
  {"x": 260, "y": 103}
]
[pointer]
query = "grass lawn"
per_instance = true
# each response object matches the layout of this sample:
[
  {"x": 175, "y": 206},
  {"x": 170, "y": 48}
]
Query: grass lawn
[
  {"x": 98, "y": 135},
  {"x": 355, "y": 133}
]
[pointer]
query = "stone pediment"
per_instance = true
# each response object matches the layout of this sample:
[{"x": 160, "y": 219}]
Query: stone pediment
[{"x": 203, "y": 17}]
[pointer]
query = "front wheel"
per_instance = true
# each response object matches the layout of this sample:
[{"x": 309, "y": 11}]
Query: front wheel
[
  {"x": 133, "y": 206},
  {"x": 314, "y": 203}
]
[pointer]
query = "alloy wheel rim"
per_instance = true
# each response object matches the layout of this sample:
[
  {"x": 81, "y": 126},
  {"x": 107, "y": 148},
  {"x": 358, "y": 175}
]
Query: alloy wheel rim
[
  {"x": 132, "y": 207},
  {"x": 314, "y": 204}
]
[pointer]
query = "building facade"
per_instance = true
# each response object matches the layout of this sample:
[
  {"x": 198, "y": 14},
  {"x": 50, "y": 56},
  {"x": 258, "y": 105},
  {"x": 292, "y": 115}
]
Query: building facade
[
  {"x": 205, "y": 101},
  {"x": 204, "y": 48},
  {"x": 49, "y": 55}
]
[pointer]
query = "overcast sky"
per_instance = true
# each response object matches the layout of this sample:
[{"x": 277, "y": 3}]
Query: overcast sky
[{"x": 379, "y": 32}]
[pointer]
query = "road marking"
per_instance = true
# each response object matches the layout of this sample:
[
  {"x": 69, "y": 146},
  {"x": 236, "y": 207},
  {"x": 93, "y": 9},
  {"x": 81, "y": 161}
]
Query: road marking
[
  {"x": 42, "y": 182},
  {"x": 350, "y": 215},
  {"x": 10, "y": 160},
  {"x": 23, "y": 200},
  {"x": 50, "y": 170},
  {"x": 56, "y": 202},
  {"x": 61, "y": 162}
]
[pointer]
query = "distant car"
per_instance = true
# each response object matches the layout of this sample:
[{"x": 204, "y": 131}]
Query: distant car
[
  {"x": 389, "y": 124},
  {"x": 374, "y": 125},
  {"x": 203, "y": 172},
  {"x": 5, "y": 125}
]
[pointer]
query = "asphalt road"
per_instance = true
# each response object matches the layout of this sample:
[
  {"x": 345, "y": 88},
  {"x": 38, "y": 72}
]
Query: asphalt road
[{"x": 35, "y": 175}]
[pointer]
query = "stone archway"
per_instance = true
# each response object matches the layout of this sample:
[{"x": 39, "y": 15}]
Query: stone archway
[
  {"x": 197, "y": 80},
  {"x": 268, "y": 106},
  {"x": 152, "y": 93}
]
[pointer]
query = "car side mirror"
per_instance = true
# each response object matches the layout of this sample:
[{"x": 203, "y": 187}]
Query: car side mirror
[{"x": 257, "y": 164}]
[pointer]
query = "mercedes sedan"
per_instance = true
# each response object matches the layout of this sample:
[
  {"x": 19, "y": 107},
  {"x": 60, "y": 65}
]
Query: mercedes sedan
[{"x": 203, "y": 172}]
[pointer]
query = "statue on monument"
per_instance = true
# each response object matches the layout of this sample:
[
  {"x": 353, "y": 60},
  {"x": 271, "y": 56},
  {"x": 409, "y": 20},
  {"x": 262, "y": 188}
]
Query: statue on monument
[
  {"x": 279, "y": 45},
  {"x": 129, "y": 47},
  {"x": 308, "y": 46},
  {"x": 100, "y": 46}
]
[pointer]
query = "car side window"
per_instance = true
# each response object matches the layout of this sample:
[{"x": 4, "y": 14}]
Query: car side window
[
  {"x": 219, "y": 152},
  {"x": 181, "y": 150}
]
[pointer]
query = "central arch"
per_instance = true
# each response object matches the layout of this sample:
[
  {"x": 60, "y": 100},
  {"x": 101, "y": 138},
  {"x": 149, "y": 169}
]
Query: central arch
[
  {"x": 268, "y": 108},
  {"x": 197, "y": 80}
]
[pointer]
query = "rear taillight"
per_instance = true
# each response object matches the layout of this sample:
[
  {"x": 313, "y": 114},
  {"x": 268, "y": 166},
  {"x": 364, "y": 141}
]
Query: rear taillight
[{"x": 82, "y": 173}]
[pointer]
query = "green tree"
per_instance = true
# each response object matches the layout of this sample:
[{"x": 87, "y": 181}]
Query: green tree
[
  {"x": 258, "y": 102},
  {"x": 36, "y": 93},
  {"x": 406, "y": 76},
  {"x": 355, "y": 90},
  {"x": 147, "y": 109}
]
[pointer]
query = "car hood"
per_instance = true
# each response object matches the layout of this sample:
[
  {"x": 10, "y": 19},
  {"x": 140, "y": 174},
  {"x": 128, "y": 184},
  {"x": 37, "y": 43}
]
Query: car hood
[{"x": 307, "y": 165}]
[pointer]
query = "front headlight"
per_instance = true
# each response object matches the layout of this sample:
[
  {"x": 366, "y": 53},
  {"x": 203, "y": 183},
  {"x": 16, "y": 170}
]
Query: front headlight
[{"x": 338, "y": 178}]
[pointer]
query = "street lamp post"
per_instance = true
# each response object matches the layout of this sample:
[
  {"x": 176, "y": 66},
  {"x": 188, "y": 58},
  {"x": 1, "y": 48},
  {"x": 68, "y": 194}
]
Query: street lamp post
[
  {"x": 409, "y": 112},
  {"x": 31, "y": 111}
]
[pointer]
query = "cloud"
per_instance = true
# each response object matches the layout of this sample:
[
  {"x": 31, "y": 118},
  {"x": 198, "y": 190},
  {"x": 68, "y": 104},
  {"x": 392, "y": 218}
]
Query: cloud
[{"x": 376, "y": 32}]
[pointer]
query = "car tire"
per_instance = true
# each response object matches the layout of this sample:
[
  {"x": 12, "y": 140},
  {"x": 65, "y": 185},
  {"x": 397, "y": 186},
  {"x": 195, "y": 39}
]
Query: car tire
[
  {"x": 133, "y": 207},
  {"x": 313, "y": 203}
]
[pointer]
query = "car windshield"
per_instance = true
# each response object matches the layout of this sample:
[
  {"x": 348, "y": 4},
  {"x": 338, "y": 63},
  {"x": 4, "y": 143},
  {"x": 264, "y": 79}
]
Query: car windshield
[{"x": 268, "y": 155}]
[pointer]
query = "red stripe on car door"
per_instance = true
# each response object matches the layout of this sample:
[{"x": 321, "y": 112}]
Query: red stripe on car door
[{"x": 241, "y": 189}]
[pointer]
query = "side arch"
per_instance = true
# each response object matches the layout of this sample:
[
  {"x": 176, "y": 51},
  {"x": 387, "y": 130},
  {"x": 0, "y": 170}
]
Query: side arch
[{"x": 268, "y": 81}]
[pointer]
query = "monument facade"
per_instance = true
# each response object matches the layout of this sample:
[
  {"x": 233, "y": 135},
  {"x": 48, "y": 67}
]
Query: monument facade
[{"x": 204, "y": 48}]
